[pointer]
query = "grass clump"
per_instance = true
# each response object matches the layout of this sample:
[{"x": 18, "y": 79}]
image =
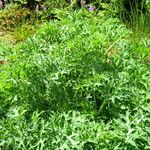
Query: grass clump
[{"x": 136, "y": 14}]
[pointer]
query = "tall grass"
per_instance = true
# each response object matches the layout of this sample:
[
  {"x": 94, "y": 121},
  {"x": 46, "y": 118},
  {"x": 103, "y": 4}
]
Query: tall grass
[{"x": 136, "y": 14}]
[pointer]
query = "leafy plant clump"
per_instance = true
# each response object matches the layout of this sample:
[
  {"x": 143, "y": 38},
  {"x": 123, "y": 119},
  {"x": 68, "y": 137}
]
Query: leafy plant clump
[
  {"x": 89, "y": 80},
  {"x": 72, "y": 130}
]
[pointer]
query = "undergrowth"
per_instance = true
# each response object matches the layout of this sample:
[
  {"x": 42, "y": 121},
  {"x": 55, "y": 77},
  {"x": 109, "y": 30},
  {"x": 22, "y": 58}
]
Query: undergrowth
[
  {"x": 16, "y": 23},
  {"x": 78, "y": 83}
]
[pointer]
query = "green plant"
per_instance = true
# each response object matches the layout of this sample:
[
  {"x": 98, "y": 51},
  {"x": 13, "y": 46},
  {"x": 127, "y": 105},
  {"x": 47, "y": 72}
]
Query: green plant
[
  {"x": 73, "y": 130},
  {"x": 135, "y": 14},
  {"x": 59, "y": 67},
  {"x": 78, "y": 83}
]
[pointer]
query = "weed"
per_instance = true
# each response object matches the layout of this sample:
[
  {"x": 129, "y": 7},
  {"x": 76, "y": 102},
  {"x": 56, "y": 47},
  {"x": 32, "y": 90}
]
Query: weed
[{"x": 78, "y": 83}]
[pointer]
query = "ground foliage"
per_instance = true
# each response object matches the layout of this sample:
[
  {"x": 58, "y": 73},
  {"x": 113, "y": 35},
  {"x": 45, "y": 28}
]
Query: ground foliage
[{"x": 80, "y": 82}]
